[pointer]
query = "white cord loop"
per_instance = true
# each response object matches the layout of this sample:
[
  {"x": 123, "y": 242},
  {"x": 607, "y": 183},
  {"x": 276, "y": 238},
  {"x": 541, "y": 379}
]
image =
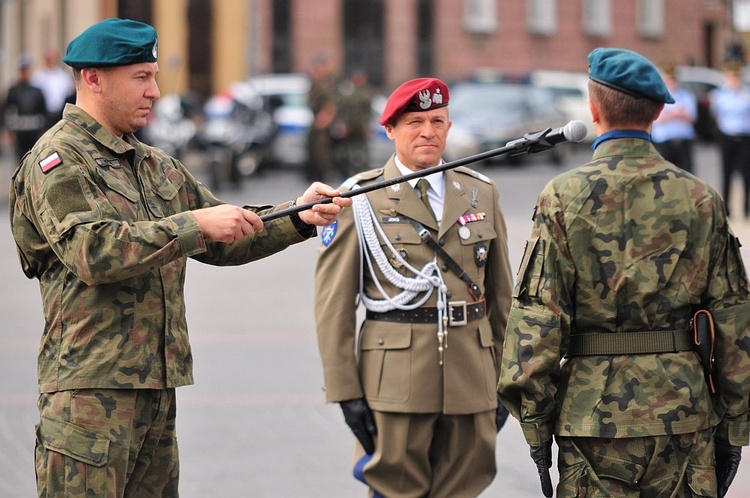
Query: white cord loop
[{"x": 424, "y": 282}]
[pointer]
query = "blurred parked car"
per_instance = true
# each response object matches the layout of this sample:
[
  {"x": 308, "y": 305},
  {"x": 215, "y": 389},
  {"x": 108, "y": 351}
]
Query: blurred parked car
[
  {"x": 174, "y": 124},
  {"x": 572, "y": 95},
  {"x": 285, "y": 96},
  {"x": 702, "y": 81},
  {"x": 237, "y": 134},
  {"x": 487, "y": 115}
]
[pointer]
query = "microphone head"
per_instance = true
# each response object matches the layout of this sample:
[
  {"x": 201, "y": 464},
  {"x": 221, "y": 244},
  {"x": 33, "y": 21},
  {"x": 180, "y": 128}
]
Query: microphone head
[{"x": 575, "y": 131}]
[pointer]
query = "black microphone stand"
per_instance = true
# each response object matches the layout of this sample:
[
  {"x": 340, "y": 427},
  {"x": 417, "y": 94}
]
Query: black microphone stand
[{"x": 531, "y": 143}]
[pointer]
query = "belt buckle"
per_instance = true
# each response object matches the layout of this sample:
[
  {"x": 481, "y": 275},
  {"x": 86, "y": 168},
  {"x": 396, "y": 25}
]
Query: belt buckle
[{"x": 459, "y": 306}]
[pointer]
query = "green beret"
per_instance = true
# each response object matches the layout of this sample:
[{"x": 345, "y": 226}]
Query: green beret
[
  {"x": 628, "y": 72},
  {"x": 112, "y": 42}
]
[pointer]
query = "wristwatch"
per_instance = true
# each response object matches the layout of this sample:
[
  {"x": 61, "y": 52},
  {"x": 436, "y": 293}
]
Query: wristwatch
[{"x": 304, "y": 229}]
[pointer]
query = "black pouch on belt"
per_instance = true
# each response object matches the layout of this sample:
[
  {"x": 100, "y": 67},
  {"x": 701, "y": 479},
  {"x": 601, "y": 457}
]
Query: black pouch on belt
[{"x": 704, "y": 335}]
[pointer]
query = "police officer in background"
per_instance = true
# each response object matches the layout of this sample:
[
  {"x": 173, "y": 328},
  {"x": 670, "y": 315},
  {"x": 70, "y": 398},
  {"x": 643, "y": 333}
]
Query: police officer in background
[
  {"x": 106, "y": 223},
  {"x": 673, "y": 131},
  {"x": 730, "y": 106},
  {"x": 599, "y": 347},
  {"x": 428, "y": 260}
]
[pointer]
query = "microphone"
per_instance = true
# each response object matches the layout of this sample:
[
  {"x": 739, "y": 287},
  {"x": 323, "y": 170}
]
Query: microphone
[{"x": 574, "y": 131}]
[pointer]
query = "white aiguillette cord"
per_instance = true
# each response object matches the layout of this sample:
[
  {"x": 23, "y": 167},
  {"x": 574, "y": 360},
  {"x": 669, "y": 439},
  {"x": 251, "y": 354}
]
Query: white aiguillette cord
[{"x": 425, "y": 281}]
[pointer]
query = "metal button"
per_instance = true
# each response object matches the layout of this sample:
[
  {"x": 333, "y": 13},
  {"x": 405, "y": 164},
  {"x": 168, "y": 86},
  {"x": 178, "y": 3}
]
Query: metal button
[{"x": 381, "y": 341}]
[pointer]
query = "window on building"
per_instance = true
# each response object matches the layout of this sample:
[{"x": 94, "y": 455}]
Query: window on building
[
  {"x": 281, "y": 45},
  {"x": 597, "y": 17},
  {"x": 650, "y": 18},
  {"x": 480, "y": 16},
  {"x": 541, "y": 17},
  {"x": 425, "y": 23},
  {"x": 363, "y": 38}
]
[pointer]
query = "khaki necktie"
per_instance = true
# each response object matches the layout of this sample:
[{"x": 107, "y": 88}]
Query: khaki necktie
[{"x": 422, "y": 186}]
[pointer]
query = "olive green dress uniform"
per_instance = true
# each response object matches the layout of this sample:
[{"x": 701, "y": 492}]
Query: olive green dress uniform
[
  {"x": 396, "y": 366},
  {"x": 582, "y": 274}
]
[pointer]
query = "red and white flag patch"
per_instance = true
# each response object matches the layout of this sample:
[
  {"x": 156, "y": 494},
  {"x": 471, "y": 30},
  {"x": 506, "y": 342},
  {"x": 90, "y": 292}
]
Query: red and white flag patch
[{"x": 50, "y": 162}]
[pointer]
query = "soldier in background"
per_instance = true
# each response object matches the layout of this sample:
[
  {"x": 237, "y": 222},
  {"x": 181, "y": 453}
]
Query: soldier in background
[
  {"x": 106, "y": 224},
  {"x": 351, "y": 128},
  {"x": 599, "y": 347},
  {"x": 24, "y": 112},
  {"x": 321, "y": 99}
]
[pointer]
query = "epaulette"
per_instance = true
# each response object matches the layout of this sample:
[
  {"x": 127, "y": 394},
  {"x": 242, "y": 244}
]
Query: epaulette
[
  {"x": 365, "y": 175},
  {"x": 475, "y": 174}
]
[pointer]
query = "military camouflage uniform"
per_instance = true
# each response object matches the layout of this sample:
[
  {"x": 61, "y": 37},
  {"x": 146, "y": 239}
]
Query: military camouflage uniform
[
  {"x": 627, "y": 243},
  {"x": 104, "y": 223}
]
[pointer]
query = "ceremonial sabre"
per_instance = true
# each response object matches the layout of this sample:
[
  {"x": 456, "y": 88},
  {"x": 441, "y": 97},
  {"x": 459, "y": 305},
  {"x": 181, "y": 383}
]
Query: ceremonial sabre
[{"x": 531, "y": 143}]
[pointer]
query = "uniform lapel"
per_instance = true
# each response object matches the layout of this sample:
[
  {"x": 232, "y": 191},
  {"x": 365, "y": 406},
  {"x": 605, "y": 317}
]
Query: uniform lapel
[
  {"x": 456, "y": 203},
  {"x": 407, "y": 199}
]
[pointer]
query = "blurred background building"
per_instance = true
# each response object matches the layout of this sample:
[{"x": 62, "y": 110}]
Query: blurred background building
[{"x": 204, "y": 45}]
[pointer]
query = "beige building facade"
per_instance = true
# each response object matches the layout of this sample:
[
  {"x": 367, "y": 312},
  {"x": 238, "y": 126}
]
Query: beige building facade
[{"x": 204, "y": 45}]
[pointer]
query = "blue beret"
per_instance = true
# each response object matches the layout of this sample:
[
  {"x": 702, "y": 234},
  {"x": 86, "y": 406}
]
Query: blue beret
[
  {"x": 112, "y": 42},
  {"x": 628, "y": 72}
]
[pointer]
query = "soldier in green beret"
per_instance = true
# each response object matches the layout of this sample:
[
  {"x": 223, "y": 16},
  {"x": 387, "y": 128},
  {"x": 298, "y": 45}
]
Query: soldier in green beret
[
  {"x": 106, "y": 223},
  {"x": 599, "y": 349}
]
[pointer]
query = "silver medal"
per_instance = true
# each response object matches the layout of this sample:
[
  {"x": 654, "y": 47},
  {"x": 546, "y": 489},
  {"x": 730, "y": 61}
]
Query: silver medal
[{"x": 464, "y": 232}]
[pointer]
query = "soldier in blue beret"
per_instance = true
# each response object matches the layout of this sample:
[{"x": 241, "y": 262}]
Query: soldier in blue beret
[
  {"x": 106, "y": 224},
  {"x": 599, "y": 351}
]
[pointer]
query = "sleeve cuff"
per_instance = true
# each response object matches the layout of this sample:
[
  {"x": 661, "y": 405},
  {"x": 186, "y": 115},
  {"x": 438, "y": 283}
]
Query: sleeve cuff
[
  {"x": 189, "y": 235},
  {"x": 536, "y": 434}
]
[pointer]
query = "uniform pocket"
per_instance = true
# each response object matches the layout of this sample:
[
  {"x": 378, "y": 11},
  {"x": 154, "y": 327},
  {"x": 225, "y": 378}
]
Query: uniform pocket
[
  {"x": 385, "y": 362},
  {"x": 71, "y": 460},
  {"x": 702, "y": 480}
]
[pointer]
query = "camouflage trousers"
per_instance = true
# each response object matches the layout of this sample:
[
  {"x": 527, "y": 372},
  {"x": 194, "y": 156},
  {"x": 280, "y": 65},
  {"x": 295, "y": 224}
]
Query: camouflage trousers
[
  {"x": 658, "y": 466},
  {"x": 111, "y": 443}
]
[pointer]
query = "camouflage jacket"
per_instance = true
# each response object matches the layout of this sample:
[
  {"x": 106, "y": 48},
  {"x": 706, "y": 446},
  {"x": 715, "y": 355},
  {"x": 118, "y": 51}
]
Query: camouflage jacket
[
  {"x": 105, "y": 225},
  {"x": 626, "y": 243}
]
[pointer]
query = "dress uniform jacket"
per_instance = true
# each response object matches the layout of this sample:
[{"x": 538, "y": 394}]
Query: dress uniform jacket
[
  {"x": 395, "y": 366},
  {"x": 104, "y": 223},
  {"x": 626, "y": 243}
]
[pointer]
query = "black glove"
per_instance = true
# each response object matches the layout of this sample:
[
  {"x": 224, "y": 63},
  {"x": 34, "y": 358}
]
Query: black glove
[
  {"x": 501, "y": 416},
  {"x": 727, "y": 462},
  {"x": 360, "y": 420},
  {"x": 542, "y": 456}
]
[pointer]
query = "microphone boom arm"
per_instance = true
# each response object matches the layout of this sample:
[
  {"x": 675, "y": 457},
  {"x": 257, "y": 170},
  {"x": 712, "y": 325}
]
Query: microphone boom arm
[{"x": 531, "y": 143}]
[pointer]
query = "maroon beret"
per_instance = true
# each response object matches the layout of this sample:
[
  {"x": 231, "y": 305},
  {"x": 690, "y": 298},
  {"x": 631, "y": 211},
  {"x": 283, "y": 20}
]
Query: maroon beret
[{"x": 421, "y": 94}]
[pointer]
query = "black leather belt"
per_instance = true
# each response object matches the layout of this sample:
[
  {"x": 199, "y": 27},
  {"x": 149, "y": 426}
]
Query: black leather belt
[{"x": 459, "y": 313}]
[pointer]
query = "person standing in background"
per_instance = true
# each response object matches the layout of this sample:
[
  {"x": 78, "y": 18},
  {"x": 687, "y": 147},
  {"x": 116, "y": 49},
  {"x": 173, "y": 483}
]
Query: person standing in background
[
  {"x": 56, "y": 83},
  {"x": 730, "y": 107},
  {"x": 351, "y": 128},
  {"x": 673, "y": 133},
  {"x": 24, "y": 112},
  {"x": 321, "y": 99}
]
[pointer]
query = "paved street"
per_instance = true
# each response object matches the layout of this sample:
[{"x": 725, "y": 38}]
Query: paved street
[{"x": 255, "y": 424}]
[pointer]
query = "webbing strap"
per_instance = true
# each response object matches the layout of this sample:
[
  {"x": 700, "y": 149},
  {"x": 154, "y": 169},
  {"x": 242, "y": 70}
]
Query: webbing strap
[
  {"x": 424, "y": 234},
  {"x": 644, "y": 342}
]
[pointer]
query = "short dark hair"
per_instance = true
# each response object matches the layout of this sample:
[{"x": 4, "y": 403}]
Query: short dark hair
[{"x": 620, "y": 109}]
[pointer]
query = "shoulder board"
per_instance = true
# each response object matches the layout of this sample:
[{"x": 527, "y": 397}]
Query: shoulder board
[
  {"x": 365, "y": 175},
  {"x": 475, "y": 174}
]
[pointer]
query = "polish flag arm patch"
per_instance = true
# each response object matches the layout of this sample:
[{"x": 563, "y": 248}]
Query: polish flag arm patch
[{"x": 50, "y": 162}]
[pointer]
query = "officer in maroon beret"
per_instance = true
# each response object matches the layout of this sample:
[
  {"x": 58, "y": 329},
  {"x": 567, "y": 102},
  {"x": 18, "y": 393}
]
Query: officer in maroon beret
[{"x": 428, "y": 261}]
